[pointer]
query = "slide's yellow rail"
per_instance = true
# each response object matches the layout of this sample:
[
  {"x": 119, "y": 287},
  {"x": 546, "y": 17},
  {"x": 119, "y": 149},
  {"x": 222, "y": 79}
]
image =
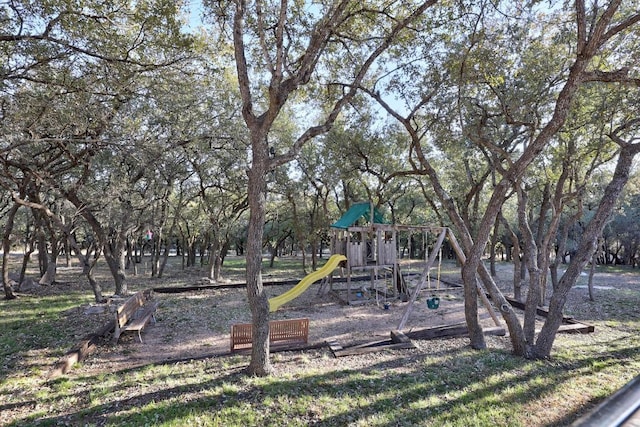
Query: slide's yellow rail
[{"x": 303, "y": 285}]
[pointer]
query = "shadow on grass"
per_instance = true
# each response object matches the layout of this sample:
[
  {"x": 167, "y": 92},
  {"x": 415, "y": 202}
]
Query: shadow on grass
[
  {"x": 465, "y": 388},
  {"x": 34, "y": 323},
  {"x": 449, "y": 388}
]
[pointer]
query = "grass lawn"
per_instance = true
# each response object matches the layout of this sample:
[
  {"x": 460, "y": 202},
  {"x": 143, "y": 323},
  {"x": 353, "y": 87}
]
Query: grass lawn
[{"x": 442, "y": 383}]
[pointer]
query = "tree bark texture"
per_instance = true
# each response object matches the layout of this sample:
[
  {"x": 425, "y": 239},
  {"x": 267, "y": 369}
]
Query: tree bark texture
[
  {"x": 531, "y": 260},
  {"x": 6, "y": 249},
  {"x": 258, "y": 302},
  {"x": 515, "y": 258},
  {"x": 588, "y": 47}
]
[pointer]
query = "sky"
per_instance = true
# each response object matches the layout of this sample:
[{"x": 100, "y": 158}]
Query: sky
[{"x": 193, "y": 11}]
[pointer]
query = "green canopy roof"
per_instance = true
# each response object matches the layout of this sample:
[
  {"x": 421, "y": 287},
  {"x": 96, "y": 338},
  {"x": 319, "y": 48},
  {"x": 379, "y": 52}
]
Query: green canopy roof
[{"x": 356, "y": 212}]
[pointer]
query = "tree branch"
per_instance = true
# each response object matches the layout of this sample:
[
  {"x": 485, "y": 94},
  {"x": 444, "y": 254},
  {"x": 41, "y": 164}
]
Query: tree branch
[
  {"x": 618, "y": 76},
  {"x": 353, "y": 86}
]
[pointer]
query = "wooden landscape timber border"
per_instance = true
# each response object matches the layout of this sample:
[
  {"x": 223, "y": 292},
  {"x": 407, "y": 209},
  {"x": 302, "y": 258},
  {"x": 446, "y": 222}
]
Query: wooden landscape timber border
[
  {"x": 90, "y": 342},
  {"x": 398, "y": 341},
  {"x": 451, "y": 331},
  {"x": 569, "y": 324},
  {"x": 281, "y": 333},
  {"x": 80, "y": 352},
  {"x": 204, "y": 287}
]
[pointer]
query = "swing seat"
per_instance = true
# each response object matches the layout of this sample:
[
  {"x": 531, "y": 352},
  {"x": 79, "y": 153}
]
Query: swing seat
[{"x": 433, "y": 303}]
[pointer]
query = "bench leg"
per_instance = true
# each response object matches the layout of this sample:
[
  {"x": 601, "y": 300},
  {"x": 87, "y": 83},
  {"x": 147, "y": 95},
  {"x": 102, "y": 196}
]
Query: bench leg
[{"x": 140, "y": 336}]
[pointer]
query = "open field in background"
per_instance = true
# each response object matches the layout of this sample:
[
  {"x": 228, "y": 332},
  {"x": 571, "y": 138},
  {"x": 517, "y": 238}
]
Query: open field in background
[{"x": 441, "y": 382}]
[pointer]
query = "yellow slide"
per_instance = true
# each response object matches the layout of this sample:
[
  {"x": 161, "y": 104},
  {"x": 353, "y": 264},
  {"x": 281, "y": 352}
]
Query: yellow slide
[{"x": 303, "y": 285}]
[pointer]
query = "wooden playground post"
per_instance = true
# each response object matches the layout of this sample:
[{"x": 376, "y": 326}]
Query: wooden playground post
[
  {"x": 430, "y": 261},
  {"x": 481, "y": 292},
  {"x": 446, "y": 232}
]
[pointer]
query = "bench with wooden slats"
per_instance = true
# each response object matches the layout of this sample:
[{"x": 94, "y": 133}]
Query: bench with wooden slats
[
  {"x": 281, "y": 332},
  {"x": 135, "y": 313}
]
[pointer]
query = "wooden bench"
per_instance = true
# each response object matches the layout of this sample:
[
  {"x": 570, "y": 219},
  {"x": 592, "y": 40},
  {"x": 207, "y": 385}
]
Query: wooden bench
[
  {"x": 281, "y": 332},
  {"x": 134, "y": 314}
]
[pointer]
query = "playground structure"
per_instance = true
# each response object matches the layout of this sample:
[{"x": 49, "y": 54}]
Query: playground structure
[
  {"x": 362, "y": 241},
  {"x": 371, "y": 245}
]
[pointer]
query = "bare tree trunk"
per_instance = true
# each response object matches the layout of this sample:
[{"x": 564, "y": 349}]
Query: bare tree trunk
[
  {"x": 213, "y": 270},
  {"x": 469, "y": 270},
  {"x": 273, "y": 254},
  {"x": 6, "y": 249},
  {"x": 586, "y": 247},
  {"x": 113, "y": 249},
  {"x": 492, "y": 247},
  {"x": 67, "y": 253},
  {"x": 260, "y": 364},
  {"x": 476, "y": 336},
  {"x": 298, "y": 235},
  {"x": 515, "y": 255},
  {"x": 591, "y": 36},
  {"x": 121, "y": 276},
  {"x": 115, "y": 255},
  {"x": 563, "y": 236},
  {"x": 26, "y": 257},
  {"x": 542, "y": 254},
  {"x": 89, "y": 265},
  {"x": 29, "y": 248},
  {"x": 217, "y": 266},
  {"x": 50, "y": 274},
  {"x": 516, "y": 334},
  {"x": 71, "y": 242},
  {"x": 131, "y": 256},
  {"x": 284, "y": 83},
  {"x": 592, "y": 271},
  {"x": 43, "y": 257},
  {"x": 184, "y": 253},
  {"x": 165, "y": 256},
  {"x": 531, "y": 257},
  {"x": 172, "y": 230}
]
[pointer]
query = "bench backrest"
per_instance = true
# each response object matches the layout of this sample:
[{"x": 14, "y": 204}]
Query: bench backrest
[
  {"x": 127, "y": 311},
  {"x": 241, "y": 336},
  {"x": 289, "y": 330}
]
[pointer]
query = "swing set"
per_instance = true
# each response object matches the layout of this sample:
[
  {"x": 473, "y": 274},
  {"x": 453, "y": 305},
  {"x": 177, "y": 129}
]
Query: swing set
[{"x": 370, "y": 245}]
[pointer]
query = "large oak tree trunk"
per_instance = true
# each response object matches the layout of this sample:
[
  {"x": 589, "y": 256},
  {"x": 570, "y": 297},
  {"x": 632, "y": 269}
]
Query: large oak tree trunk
[
  {"x": 285, "y": 81},
  {"x": 50, "y": 274},
  {"x": 588, "y": 46},
  {"x": 95, "y": 285},
  {"x": 469, "y": 278},
  {"x": 260, "y": 364}
]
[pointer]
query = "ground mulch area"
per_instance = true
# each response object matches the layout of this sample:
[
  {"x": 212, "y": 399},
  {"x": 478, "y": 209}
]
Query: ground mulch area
[{"x": 196, "y": 324}]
